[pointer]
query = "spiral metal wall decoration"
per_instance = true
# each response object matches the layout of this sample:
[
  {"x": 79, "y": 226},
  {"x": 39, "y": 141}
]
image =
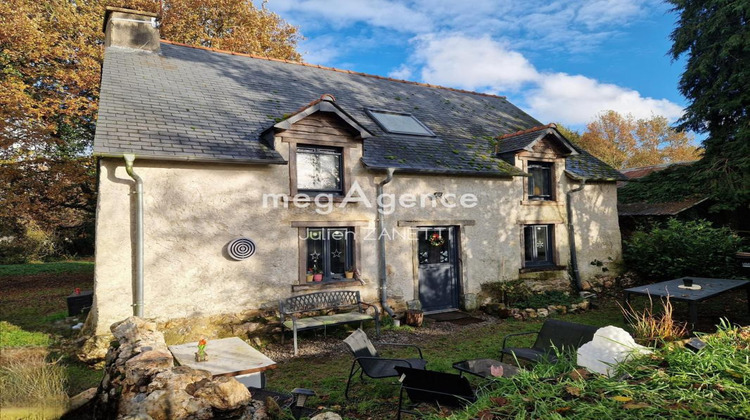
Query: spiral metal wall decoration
[{"x": 241, "y": 249}]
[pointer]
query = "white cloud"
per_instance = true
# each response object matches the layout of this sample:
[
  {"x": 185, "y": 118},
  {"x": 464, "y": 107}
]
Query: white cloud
[
  {"x": 487, "y": 65},
  {"x": 573, "y": 25},
  {"x": 472, "y": 63},
  {"x": 323, "y": 50},
  {"x": 403, "y": 72},
  {"x": 485, "y": 46},
  {"x": 597, "y": 13},
  {"x": 343, "y": 13},
  {"x": 578, "y": 99}
]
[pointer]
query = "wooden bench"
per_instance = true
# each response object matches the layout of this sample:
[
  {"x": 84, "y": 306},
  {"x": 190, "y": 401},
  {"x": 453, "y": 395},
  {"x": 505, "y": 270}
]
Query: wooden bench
[{"x": 302, "y": 312}]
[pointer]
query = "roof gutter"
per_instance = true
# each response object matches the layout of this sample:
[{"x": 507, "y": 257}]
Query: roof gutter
[
  {"x": 138, "y": 280},
  {"x": 381, "y": 244},
  {"x": 192, "y": 159},
  {"x": 572, "y": 236}
]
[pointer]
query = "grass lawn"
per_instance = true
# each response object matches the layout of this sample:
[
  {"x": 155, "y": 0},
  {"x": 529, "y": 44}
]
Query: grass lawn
[
  {"x": 62, "y": 267},
  {"x": 33, "y": 327},
  {"x": 327, "y": 373},
  {"x": 34, "y": 315}
]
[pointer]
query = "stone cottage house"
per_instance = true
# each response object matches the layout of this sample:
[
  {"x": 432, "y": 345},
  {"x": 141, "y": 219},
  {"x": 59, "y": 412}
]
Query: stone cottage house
[{"x": 198, "y": 148}]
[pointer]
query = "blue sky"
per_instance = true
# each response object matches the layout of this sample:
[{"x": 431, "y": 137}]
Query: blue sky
[{"x": 561, "y": 61}]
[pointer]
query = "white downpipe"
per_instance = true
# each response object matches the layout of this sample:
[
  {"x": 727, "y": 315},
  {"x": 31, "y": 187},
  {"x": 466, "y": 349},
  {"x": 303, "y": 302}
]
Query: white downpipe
[
  {"x": 381, "y": 245},
  {"x": 138, "y": 281}
]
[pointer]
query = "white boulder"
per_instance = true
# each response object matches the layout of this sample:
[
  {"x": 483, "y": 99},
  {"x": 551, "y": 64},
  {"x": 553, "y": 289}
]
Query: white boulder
[{"x": 610, "y": 346}]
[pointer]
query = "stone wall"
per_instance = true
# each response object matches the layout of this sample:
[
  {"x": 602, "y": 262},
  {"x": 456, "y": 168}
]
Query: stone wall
[{"x": 141, "y": 381}]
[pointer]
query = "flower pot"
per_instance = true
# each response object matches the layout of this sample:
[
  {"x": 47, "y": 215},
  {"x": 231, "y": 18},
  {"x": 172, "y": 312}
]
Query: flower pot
[
  {"x": 349, "y": 274},
  {"x": 318, "y": 277},
  {"x": 414, "y": 317},
  {"x": 309, "y": 278}
]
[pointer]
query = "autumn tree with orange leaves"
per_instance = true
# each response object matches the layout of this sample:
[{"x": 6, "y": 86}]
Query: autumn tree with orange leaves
[
  {"x": 627, "y": 142},
  {"x": 50, "y": 64}
]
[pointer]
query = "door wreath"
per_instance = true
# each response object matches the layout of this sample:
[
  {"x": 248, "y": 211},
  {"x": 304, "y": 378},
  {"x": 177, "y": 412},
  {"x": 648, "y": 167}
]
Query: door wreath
[{"x": 436, "y": 240}]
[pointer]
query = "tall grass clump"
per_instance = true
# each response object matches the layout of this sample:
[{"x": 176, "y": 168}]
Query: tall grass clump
[
  {"x": 650, "y": 327},
  {"x": 27, "y": 379},
  {"x": 672, "y": 382}
]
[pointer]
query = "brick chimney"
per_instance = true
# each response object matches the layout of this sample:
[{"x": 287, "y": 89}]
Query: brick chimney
[{"x": 131, "y": 29}]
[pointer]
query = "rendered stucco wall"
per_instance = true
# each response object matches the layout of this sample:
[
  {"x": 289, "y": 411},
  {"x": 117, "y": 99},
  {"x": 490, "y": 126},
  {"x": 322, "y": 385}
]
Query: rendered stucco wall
[
  {"x": 192, "y": 210},
  {"x": 597, "y": 229}
]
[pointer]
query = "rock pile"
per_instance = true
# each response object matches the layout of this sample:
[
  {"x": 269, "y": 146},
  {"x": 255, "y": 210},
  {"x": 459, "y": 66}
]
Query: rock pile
[
  {"x": 499, "y": 309},
  {"x": 142, "y": 382}
]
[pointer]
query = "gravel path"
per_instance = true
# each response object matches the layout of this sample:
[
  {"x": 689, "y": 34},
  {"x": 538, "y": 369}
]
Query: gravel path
[{"x": 332, "y": 346}]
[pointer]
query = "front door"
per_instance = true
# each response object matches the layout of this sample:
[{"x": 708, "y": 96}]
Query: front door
[{"x": 438, "y": 269}]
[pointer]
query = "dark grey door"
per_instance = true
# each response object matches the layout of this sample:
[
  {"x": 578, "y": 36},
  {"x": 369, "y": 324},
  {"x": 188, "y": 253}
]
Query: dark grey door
[{"x": 438, "y": 268}]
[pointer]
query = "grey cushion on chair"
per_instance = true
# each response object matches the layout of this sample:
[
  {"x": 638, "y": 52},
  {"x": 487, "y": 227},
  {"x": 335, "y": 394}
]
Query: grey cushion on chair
[
  {"x": 360, "y": 345},
  {"x": 368, "y": 361}
]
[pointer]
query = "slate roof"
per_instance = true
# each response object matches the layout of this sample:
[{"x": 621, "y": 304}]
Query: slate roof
[
  {"x": 641, "y": 171},
  {"x": 519, "y": 140},
  {"x": 585, "y": 165},
  {"x": 189, "y": 103},
  {"x": 579, "y": 165},
  {"x": 658, "y": 209}
]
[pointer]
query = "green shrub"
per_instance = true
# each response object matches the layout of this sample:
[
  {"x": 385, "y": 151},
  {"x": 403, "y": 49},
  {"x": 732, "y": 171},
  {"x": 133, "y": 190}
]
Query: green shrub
[
  {"x": 679, "y": 249},
  {"x": 34, "y": 244},
  {"x": 12, "y": 251}
]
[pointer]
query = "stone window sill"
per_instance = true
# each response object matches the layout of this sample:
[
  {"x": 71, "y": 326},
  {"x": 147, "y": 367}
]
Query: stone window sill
[
  {"x": 322, "y": 197},
  {"x": 325, "y": 285},
  {"x": 543, "y": 268},
  {"x": 541, "y": 203}
]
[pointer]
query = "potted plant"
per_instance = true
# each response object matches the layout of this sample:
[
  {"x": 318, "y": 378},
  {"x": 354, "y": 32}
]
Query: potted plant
[
  {"x": 309, "y": 276},
  {"x": 317, "y": 274},
  {"x": 201, "y": 355},
  {"x": 349, "y": 273}
]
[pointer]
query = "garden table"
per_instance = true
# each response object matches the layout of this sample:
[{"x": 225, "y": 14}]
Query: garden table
[
  {"x": 227, "y": 357},
  {"x": 709, "y": 288}
]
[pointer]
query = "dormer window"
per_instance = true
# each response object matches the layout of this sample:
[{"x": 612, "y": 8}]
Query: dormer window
[
  {"x": 399, "y": 123},
  {"x": 319, "y": 170},
  {"x": 540, "y": 182}
]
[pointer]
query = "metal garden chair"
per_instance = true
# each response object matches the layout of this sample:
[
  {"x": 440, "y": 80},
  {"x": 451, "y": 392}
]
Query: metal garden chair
[
  {"x": 555, "y": 335},
  {"x": 367, "y": 360},
  {"x": 426, "y": 386}
]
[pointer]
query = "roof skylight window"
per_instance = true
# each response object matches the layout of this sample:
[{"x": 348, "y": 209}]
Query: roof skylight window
[{"x": 399, "y": 123}]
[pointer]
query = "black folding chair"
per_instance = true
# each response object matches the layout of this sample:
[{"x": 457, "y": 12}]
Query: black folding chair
[
  {"x": 367, "y": 360},
  {"x": 555, "y": 335},
  {"x": 426, "y": 386}
]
